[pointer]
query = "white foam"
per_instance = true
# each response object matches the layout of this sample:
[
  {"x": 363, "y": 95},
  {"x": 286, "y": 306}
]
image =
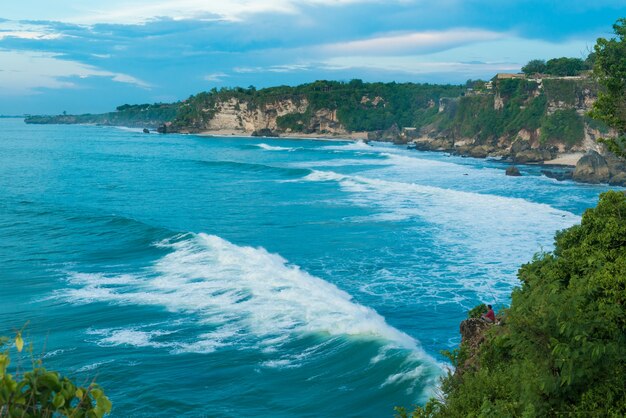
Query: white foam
[
  {"x": 343, "y": 162},
  {"x": 352, "y": 146},
  {"x": 494, "y": 232},
  {"x": 267, "y": 147},
  {"x": 129, "y": 336},
  {"x": 128, "y": 129},
  {"x": 239, "y": 291},
  {"x": 92, "y": 366}
]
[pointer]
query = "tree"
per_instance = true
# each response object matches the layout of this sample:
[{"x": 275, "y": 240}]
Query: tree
[
  {"x": 610, "y": 70},
  {"x": 559, "y": 350},
  {"x": 565, "y": 66},
  {"x": 534, "y": 67}
]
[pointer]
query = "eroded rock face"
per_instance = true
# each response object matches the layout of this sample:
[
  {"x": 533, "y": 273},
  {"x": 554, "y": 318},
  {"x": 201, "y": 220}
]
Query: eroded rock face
[
  {"x": 513, "y": 171},
  {"x": 618, "y": 180},
  {"x": 472, "y": 336},
  {"x": 592, "y": 168}
]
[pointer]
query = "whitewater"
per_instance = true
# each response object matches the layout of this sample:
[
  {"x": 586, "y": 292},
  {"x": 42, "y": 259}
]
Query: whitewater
[{"x": 195, "y": 276}]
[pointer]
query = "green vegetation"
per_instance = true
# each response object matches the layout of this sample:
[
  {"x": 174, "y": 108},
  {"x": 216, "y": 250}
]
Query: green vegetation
[
  {"x": 140, "y": 116},
  {"x": 534, "y": 67},
  {"x": 42, "y": 393},
  {"x": 360, "y": 106},
  {"x": 560, "y": 351},
  {"x": 559, "y": 66},
  {"x": 477, "y": 117},
  {"x": 564, "y": 126},
  {"x": 610, "y": 70},
  {"x": 477, "y": 311}
]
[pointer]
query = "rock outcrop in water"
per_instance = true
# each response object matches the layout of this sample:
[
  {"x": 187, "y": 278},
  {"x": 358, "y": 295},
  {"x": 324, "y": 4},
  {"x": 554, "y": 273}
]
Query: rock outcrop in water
[
  {"x": 592, "y": 168},
  {"x": 512, "y": 171},
  {"x": 596, "y": 168}
]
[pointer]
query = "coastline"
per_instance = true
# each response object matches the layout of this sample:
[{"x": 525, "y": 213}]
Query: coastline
[
  {"x": 352, "y": 136},
  {"x": 567, "y": 159}
]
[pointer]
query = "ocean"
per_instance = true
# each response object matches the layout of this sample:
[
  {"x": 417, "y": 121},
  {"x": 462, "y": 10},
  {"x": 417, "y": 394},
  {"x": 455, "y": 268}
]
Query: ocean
[{"x": 223, "y": 276}]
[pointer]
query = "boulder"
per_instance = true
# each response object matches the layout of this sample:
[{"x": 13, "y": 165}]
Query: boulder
[
  {"x": 513, "y": 171},
  {"x": 392, "y": 134},
  {"x": 435, "y": 144},
  {"x": 480, "y": 151},
  {"x": 146, "y": 130},
  {"x": 618, "y": 180},
  {"x": 592, "y": 168},
  {"x": 265, "y": 132},
  {"x": 519, "y": 146},
  {"x": 529, "y": 156}
]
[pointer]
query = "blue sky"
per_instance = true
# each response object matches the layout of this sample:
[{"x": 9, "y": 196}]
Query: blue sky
[{"x": 90, "y": 56}]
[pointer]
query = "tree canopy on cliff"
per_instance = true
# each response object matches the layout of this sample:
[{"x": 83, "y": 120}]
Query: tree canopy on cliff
[
  {"x": 360, "y": 106},
  {"x": 610, "y": 70},
  {"x": 560, "y": 351},
  {"x": 561, "y": 67}
]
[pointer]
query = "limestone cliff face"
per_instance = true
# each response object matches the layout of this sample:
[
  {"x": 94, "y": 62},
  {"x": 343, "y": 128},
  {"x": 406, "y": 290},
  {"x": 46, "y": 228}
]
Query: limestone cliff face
[
  {"x": 523, "y": 146},
  {"x": 241, "y": 116},
  {"x": 244, "y": 117}
]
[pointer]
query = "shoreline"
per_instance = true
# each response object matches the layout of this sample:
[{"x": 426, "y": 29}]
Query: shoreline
[
  {"x": 565, "y": 160},
  {"x": 354, "y": 136}
]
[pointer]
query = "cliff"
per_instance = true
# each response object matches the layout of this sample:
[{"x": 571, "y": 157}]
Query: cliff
[
  {"x": 520, "y": 119},
  {"x": 558, "y": 349}
]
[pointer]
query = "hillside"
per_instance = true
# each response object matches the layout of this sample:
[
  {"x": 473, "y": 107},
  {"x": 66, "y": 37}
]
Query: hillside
[
  {"x": 558, "y": 350},
  {"x": 133, "y": 116},
  {"x": 519, "y": 117}
]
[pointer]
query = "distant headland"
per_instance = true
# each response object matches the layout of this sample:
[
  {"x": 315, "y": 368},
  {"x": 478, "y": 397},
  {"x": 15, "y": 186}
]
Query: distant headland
[{"x": 537, "y": 116}]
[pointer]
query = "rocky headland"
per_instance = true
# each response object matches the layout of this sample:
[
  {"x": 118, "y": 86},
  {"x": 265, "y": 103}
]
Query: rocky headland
[{"x": 512, "y": 117}]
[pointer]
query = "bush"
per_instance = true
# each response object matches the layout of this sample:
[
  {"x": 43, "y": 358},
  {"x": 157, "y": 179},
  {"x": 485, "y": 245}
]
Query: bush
[
  {"x": 43, "y": 393},
  {"x": 561, "y": 351},
  {"x": 563, "y": 125},
  {"x": 477, "y": 311}
]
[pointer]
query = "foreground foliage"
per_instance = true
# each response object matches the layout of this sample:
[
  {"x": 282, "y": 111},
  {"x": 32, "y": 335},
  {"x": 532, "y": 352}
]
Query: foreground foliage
[
  {"x": 43, "y": 393},
  {"x": 562, "y": 350}
]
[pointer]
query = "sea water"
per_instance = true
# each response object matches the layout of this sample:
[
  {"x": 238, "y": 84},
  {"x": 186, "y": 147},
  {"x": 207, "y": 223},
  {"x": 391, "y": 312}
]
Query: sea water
[{"x": 207, "y": 276}]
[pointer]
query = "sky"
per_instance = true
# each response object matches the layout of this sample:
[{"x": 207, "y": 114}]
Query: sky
[{"x": 83, "y": 56}]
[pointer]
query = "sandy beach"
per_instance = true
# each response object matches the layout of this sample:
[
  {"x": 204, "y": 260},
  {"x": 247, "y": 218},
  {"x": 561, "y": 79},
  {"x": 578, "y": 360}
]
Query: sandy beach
[{"x": 566, "y": 159}]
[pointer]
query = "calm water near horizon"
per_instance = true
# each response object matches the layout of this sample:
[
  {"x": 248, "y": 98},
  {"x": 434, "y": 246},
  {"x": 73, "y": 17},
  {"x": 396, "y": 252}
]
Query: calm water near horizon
[{"x": 196, "y": 276}]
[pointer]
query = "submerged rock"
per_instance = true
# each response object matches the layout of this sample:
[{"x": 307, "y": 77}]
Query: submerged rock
[
  {"x": 513, "y": 171},
  {"x": 592, "y": 168},
  {"x": 265, "y": 132},
  {"x": 563, "y": 174}
]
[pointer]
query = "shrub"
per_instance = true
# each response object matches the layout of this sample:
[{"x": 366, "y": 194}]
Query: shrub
[{"x": 43, "y": 393}]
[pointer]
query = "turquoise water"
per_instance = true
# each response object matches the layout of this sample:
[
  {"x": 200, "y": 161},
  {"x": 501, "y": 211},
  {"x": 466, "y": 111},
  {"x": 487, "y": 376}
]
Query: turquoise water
[{"x": 232, "y": 277}]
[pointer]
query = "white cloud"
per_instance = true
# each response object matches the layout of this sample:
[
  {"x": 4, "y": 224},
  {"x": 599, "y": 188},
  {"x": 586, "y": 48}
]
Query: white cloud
[
  {"x": 23, "y": 72},
  {"x": 215, "y": 77},
  {"x": 142, "y": 11},
  {"x": 410, "y": 43},
  {"x": 9, "y": 29}
]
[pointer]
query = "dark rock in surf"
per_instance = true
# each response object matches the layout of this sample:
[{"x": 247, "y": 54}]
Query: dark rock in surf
[{"x": 512, "y": 171}]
